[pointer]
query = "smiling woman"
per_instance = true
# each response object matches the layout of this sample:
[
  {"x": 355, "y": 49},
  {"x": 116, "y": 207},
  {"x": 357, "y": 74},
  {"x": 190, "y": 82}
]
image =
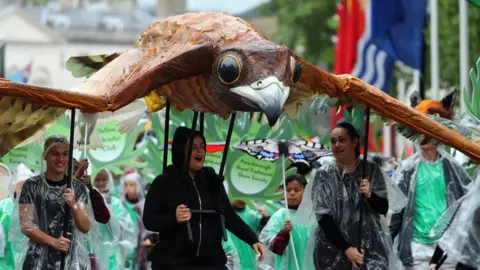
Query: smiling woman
[
  {"x": 168, "y": 206},
  {"x": 335, "y": 195}
]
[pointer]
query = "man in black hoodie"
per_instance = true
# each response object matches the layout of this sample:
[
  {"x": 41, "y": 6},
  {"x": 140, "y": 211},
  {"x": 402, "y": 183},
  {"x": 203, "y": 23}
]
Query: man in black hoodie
[{"x": 167, "y": 209}]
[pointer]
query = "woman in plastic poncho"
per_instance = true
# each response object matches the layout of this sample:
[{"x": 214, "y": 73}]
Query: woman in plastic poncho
[
  {"x": 132, "y": 195},
  {"x": 22, "y": 173},
  {"x": 336, "y": 194},
  {"x": 281, "y": 236},
  {"x": 104, "y": 183},
  {"x": 256, "y": 219}
]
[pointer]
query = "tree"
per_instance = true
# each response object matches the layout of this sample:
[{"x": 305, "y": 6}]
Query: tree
[
  {"x": 306, "y": 26},
  {"x": 448, "y": 25}
]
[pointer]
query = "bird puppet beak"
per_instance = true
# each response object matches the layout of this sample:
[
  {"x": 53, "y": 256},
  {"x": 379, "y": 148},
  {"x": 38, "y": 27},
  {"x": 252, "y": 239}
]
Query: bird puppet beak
[{"x": 269, "y": 95}]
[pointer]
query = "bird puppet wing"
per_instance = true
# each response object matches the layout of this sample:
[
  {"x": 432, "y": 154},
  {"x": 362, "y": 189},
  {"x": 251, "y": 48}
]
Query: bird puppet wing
[{"x": 213, "y": 62}]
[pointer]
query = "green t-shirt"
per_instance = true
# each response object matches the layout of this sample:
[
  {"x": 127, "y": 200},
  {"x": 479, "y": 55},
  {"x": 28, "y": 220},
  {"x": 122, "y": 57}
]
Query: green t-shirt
[{"x": 430, "y": 200}]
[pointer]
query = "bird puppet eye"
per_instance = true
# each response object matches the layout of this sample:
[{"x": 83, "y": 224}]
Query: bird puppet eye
[
  {"x": 296, "y": 70},
  {"x": 229, "y": 69}
]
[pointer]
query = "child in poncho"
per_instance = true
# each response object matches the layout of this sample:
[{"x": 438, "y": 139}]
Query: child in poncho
[
  {"x": 127, "y": 237},
  {"x": 255, "y": 219},
  {"x": 279, "y": 235}
]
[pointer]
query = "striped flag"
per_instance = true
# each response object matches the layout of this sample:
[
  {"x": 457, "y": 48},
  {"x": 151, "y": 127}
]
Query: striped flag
[
  {"x": 371, "y": 36},
  {"x": 393, "y": 32}
]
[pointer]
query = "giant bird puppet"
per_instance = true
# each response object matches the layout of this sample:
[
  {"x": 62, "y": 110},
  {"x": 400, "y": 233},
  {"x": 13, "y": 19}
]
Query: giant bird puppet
[{"x": 206, "y": 62}]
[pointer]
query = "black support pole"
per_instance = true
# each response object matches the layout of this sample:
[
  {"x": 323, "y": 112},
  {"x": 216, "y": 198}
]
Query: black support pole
[
  {"x": 187, "y": 163},
  {"x": 66, "y": 217},
  {"x": 227, "y": 144},
  {"x": 364, "y": 176},
  {"x": 165, "y": 136}
]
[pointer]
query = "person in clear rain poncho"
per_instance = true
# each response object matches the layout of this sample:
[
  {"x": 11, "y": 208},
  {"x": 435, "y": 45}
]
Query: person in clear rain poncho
[
  {"x": 108, "y": 225},
  {"x": 432, "y": 180},
  {"x": 256, "y": 220},
  {"x": 127, "y": 236},
  {"x": 333, "y": 201},
  {"x": 460, "y": 226},
  {"x": 233, "y": 260},
  {"x": 40, "y": 212},
  {"x": 133, "y": 198},
  {"x": 279, "y": 234},
  {"x": 3, "y": 242},
  {"x": 22, "y": 173}
]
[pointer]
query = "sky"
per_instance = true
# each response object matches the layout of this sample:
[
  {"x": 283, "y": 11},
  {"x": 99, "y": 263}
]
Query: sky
[{"x": 230, "y": 6}]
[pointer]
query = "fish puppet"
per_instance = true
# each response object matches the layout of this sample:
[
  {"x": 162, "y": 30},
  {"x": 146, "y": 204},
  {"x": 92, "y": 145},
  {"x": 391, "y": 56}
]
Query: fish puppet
[{"x": 206, "y": 62}]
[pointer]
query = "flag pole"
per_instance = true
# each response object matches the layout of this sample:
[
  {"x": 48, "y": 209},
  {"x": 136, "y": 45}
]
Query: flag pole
[
  {"x": 434, "y": 57},
  {"x": 463, "y": 16}
]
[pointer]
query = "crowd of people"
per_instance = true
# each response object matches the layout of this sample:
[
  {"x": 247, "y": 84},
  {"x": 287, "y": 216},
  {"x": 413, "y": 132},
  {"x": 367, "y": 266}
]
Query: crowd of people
[{"x": 335, "y": 217}]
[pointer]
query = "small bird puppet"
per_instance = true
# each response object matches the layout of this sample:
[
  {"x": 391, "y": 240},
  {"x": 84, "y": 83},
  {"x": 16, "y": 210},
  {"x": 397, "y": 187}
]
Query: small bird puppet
[
  {"x": 441, "y": 111},
  {"x": 207, "y": 62}
]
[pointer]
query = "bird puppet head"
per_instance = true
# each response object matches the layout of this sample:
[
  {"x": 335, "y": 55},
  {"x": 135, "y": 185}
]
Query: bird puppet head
[{"x": 255, "y": 76}]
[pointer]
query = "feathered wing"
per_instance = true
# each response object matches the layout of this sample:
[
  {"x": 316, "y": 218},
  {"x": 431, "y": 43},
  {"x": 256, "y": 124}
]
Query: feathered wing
[
  {"x": 349, "y": 89},
  {"x": 85, "y": 66},
  {"x": 21, "y": 124},
  {"x": 127, "y": 117},
  {"x": 131, "y": 75},
  {"x": 94, "y": 141}
]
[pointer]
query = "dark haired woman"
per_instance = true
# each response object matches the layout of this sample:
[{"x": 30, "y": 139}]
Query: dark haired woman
[
  {"x": 336, "y": 195},
  {"x": 167, "y": 209}
]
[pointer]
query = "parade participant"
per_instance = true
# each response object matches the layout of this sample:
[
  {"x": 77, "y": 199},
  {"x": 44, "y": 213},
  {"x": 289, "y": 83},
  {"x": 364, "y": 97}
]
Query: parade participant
[
  {"x": 233, "y": 261},
  {"x": 42, "y": 209},
  {"x": 256, "y": 220},
  {"x": 432, "y": 180},
  {"x": 277, "y": 232},
  {"x": 100, "y": 210},
  {"x": 103, "y": 182},
  {"x": 3, "y": 243},
  {"x": 22, "y": 173},
  {"x": 335, "y": 197},
  {"x": 132, "y": 196},
  {"x": 460, "y": 226},
  {"x": 167, "y": 208}
]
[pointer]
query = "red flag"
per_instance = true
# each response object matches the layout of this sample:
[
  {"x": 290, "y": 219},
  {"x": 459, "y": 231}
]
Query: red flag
[{"x": 350, "y": 29}]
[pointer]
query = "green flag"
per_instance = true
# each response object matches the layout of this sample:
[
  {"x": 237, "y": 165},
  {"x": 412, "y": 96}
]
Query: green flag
[{"x": 474, "y": 2}]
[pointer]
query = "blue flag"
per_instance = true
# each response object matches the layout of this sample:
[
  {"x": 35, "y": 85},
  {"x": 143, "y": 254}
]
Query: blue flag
[{"x": 393, "y": 32}]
